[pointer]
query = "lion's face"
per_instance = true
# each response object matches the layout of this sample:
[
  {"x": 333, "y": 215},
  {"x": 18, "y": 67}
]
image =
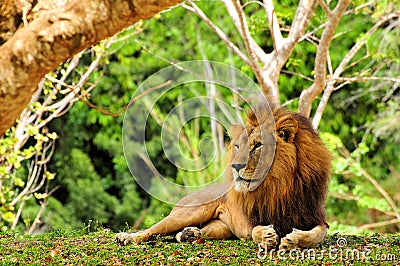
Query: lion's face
[{"x": 254, "y": 148}]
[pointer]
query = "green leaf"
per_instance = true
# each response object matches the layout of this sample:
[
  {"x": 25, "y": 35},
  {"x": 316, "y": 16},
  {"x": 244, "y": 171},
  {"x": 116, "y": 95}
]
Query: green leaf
[
  {"x": 49, "y": 176},
  {"x": 363, "y": 148},
  {"x": 40, "y": 195},
  {"x": 8, "y": 217},
  {"x": 340, "y": 164},
  {"x": 52, "y": 136},
  {"x": 332, "y": 141},
  {"x": 19, "y": 182},
  {"x": 3, "y": 171}
]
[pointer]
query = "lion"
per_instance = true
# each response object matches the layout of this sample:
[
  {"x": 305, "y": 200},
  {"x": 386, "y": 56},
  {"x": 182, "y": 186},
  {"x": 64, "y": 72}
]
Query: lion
[{"x": 275, "y": 190}]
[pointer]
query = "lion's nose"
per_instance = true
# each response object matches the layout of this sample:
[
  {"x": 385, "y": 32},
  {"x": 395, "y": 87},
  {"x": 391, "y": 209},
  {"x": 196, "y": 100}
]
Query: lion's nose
[{"x": 238, "y": 166}]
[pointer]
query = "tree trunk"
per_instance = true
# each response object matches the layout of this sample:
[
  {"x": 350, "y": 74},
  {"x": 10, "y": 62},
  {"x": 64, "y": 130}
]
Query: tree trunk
[{"x": 54, "y": 36}]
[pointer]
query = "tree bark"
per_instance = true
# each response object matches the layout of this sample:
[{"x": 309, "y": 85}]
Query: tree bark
[{"x": 54, "y": 36}]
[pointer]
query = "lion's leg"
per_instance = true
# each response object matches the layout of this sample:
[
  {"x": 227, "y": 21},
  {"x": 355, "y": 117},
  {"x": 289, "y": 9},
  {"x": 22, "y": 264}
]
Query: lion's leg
[
  {"x": 179, "y": 218},
  {"x": 215, "y": 229},
  {"x": 304, "y": 239}
]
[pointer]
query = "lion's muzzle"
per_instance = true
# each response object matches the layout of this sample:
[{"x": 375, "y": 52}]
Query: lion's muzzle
[{"x": 242, "y": 182}]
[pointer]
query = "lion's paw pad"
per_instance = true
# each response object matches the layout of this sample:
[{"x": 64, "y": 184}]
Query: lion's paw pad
[{"x": 188, "y": 234}]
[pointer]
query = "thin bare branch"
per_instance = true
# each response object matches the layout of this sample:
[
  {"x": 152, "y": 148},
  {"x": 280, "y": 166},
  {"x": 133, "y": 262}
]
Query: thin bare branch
[
  {"x": 366, "y": 79},
  {"x": 43, "y": 205},
  {"x": 382, "y": 191},
  {"x": 18, "y": 215},
  {"x": 311, "y": 34},
  {"x": 346, "y": 154},
  {"x": 195, "y": 9},
  {"x": 357, "y": 198},
  {"x": 324, "y": 7},
  {"x": 297, "y": 74},
  {"x": 379, "y": 224}
]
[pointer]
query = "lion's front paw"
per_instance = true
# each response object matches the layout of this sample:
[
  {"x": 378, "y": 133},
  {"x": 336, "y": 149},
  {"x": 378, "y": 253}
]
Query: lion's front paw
[
  {"x": 304, "y": 239},
  {"x": 292, "y": 240},
  {"x": 126, "y": 238},
  {"x": 265, "y": 236},
  {"x": 188, "y": 234}
]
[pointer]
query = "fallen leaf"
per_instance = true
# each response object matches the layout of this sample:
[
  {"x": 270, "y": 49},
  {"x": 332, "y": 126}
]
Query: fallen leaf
[{"x": 200, "y": 240}]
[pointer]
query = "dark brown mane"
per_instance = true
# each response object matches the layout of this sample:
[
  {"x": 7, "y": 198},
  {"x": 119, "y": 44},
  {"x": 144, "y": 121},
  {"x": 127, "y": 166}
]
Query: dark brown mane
[{"x": 294, "y": 191}]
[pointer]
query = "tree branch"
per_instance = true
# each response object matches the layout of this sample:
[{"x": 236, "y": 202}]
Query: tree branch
[
  {"x": 195, "y": 9},
  {"x": 273, "y": 24},
  {"x": 381, "y": 190},
  {"x": 324, "y": 7},
  {"x": 379, "y": 224},
  {"x": 268, "y": 80},
  {"x": 330, "y": 87},
  {"x": 308, "y": 95},
  {"x": 239, "y": 20},
  {"x": 285, "y": 46},
  {"x": 301, "y": 20},
  {"x": 251, "y": 45},
  {"x": 55, "y": 36},
  {"x": 366, "y": 79}
]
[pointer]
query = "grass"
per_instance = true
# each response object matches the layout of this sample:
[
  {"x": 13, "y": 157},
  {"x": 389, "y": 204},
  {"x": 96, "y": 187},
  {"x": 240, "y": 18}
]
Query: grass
[{"x": 79, "y": 247}]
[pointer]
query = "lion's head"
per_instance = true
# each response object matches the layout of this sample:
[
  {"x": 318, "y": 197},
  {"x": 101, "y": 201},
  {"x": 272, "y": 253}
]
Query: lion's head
[{"x": 279, "y": 170}]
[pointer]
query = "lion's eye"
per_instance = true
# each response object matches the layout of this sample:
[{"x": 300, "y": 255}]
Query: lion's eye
[
  {"x": 257, "y": 146},
  {"x": 236, "y": 147},
  {"x": 284, "y": 134}
]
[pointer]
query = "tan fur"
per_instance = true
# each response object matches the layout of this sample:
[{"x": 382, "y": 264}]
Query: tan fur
[{"x": 265, "y": 207}]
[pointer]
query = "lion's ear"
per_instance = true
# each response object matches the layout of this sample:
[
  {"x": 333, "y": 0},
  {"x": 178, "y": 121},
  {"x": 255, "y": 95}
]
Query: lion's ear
[
  {"x": 236, "y": 130},
  {"x": 286, "y": 127}
]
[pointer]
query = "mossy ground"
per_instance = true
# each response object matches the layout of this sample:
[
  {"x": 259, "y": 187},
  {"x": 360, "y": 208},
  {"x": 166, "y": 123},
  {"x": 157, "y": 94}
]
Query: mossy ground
[{"x": 79, "y": 247}]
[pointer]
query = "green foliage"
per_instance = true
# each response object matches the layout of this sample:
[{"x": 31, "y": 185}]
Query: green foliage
[
  {"x": 350, "y": 181},
  {"x": 92, "y": 196},
  {"x": 18, "y": 182}
]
